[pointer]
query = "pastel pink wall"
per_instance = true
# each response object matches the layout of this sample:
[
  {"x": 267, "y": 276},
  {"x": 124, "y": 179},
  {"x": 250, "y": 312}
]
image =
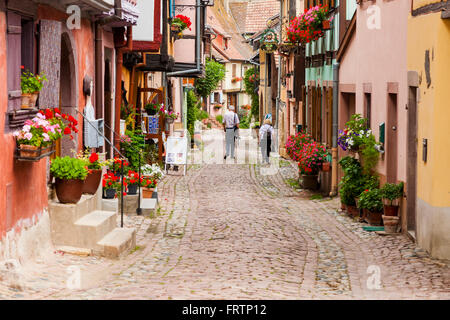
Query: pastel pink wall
[
  {"x": 378, "y": 57},
  {"x": 185, "y": 48}
]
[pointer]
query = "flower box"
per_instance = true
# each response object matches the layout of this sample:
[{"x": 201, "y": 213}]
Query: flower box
[{"x": 33, "y": 153}]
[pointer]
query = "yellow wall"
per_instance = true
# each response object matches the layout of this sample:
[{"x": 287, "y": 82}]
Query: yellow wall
[
  {"x": 126, "y": 79},
  {"x": 421, "y": 3},
  {"x": 430, "y": 32}
]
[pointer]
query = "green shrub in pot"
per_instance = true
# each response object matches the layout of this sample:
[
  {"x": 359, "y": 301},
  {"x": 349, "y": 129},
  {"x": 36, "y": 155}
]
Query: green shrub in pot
[
  {"x": 391, "y": 193},
  {"x": 371, "y": 200},
  {"x": 70, "y": 174}
]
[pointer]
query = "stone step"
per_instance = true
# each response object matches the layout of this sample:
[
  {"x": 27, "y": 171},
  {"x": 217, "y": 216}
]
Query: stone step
[
  {"x": 93, "y": 227},
  {"x": 110, "y": 205},
  {"x": 116, "y": 243},
  {"x": 69, "y": 213}
]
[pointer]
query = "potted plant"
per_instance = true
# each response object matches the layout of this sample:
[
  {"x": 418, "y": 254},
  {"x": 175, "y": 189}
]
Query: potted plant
[
  {"x": 350, "y": 184},
  {"x": 152, "y": 171},
  {"x": 308, "y": 26},
  {"x": 391, "y": 193},
  {"x": 170, "y": 116},
  {"x": 132, "y": 181},
  {"x": 180, "y": 23},
  {"x": 31, "y": 85},
  {"x": 148, "y": 187},
  {"x": 372, "y": 206},
  {"x": 326, "y": 166},
  {"x": 115, "y": 166},
  {"x": 70, "y": 174},
  {"x": 94, "y": 165},
  {"x": 37, "y": 136},
  {"x": 310, "y": 161},
  {"x": 152, "y": 108},
  {"x": 110, "y": 185}
]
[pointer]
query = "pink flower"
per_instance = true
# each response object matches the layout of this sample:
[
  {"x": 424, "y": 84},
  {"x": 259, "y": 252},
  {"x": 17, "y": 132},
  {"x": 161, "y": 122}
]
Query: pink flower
[{"x": 28, "y": 136}]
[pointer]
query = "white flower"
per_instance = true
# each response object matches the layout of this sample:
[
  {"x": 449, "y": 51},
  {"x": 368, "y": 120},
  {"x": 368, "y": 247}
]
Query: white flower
[{"x": 26, "y": 128}]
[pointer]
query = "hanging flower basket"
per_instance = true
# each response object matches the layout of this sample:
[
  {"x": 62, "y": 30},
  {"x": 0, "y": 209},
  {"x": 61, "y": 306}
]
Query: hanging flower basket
[{"x": 309, "y": 26}]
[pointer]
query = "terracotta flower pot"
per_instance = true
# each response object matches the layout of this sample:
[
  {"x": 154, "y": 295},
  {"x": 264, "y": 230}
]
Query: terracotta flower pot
[
  {"x": 92, "y": 182},
  {"x": 69, "y": 191},
  {"x": 326, "y": 25},
  {"x": 33, "y": 99},
  {"x": 109, "y": 194},
  {"x": 390, "y": 210},
  {"x": 326, "y": 166},
  {"x": 390, "y": 223},
  {"x": 372, "y": 218},
  {"x": 353, "y": 211},
  {"x": 343, "y": 206},
  {"x": 26, "y": 101},
  {"x": 147, "y": 193},
  {"x": 310, "y": 181}
]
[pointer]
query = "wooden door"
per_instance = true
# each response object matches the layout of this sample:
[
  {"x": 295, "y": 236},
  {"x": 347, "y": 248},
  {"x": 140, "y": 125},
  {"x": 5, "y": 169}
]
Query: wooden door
[{"x": 391, "y": 141}]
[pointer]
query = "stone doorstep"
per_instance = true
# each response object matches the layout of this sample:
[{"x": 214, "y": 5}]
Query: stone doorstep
[
  {"x": 116, "y": 243},
  {"x": 130, "y": 205},
  {"x": 94, "y": 226},
  {"x": 72, "y": 212}
]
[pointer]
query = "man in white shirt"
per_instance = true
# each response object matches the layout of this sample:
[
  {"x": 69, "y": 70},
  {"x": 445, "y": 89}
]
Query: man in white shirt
[{"x": 230, "y": 124}]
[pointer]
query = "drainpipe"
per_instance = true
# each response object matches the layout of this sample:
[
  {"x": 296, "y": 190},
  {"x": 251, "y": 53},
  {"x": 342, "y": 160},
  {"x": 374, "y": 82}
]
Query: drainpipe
[
  {"x": 197, "y": 45},
  {"x": 334, "y": 150},
  {"x": 120, "y": 50},
  {"x": 98, "y": 70},
  {"x": 279, "y": 84}
]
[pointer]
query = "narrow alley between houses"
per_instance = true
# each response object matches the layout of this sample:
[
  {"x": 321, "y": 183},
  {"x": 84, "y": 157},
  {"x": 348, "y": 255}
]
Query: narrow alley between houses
[{"x": 233, "y": 231}]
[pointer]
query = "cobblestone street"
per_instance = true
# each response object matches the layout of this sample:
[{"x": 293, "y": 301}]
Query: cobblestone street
[{"x": 231, "y": 231}]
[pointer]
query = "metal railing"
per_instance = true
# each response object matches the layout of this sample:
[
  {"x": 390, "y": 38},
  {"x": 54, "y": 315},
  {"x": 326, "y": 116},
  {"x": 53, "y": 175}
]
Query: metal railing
[{"x": 122, "y": 157}]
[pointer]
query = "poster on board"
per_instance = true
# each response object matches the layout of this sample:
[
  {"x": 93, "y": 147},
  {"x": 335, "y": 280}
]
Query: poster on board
[{"x": 176, "y": 153}]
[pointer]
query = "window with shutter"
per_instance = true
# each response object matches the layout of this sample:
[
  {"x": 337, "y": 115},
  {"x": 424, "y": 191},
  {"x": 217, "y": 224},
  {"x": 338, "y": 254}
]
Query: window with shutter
[
  {"x": 13, "y": 51},
  {"x": 50, "y": 62}
]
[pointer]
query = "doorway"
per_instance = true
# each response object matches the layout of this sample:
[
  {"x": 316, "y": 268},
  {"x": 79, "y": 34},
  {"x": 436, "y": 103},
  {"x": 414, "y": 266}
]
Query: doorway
[
  {"x": 67, "y": 94},
  {"x": 108, "y": 101},
  {"x": 411, "y": 161},
  {"x": 232, "y": 100},
  {"x": 391, "y": 141}
]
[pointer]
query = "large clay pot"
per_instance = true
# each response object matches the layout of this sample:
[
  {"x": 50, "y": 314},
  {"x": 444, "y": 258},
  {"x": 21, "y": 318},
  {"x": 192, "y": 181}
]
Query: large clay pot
[
  {"x": 310, "y": 181},
  {"x": 69, "y": 191},
  {"x": 373, "y": 218},
  {"x": 326, "y": 25},
  {"x": 390, "y": 210},
  {"x": 326, "y": 166},
  {"x": 390, "y": 223},
  {"x": 353, "y": 211},
  {"x": 92, "y": 181}
]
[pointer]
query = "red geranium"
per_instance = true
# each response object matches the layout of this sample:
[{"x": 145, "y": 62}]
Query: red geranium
[{"x": 93, "y": 157}]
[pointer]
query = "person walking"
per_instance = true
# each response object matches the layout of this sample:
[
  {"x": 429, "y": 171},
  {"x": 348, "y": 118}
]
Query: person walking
[
  {"x": 265, "y": 138},
  {"x": 230, "y": 124}
]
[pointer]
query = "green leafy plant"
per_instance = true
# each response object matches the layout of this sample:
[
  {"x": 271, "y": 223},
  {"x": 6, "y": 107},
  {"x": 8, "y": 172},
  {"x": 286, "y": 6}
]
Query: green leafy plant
[
  {"x": 219, "y": 118},
  {"x": 214, "y": 73},
  {"x": 31, "y": 83},
  {"x": 131, "y": 143},
  {"x": 68, "y": 168},
  {"x": 251, "y": 86},
  {"x": 392, "y": 192},
  {"x": 370, "y": 199}
]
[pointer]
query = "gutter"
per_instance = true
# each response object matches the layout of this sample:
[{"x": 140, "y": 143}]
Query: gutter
[
  {"x": 279, "y": 86},
  {"x": 197, "y": 46}
]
